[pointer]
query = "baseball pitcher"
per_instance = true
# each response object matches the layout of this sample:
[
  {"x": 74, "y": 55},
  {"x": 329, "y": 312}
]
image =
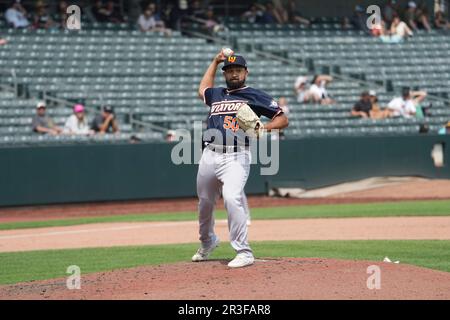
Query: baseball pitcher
[{"x": 225, "y": 165}]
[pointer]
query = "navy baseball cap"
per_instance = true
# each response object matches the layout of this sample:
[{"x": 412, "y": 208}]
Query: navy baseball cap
[
  {"x": 234, "y": 60},
  {"x": 108, "y": 109}
]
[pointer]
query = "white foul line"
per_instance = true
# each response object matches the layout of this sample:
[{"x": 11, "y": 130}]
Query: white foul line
[{"x": 146, "y": 225}]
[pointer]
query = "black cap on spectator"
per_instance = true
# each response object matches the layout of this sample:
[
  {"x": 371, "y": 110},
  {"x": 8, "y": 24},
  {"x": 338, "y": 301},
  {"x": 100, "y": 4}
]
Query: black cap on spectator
[
  {"x": 424, "y": 128},
  {"x": 108, "y": 109},
  {"x": 359, "y": 8},
  {"x": 405, "y": 91}
]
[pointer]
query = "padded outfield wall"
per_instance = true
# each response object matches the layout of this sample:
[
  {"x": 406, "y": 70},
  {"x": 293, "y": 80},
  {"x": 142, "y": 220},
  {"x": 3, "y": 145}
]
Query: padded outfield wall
[{"x": 85, "y": 173}]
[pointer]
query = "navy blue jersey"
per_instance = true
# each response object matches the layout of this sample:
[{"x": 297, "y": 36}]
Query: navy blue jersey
[{"x": 224, "y": 105}]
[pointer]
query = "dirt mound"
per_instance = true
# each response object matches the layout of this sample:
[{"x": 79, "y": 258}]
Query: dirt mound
[{"x": 288, "y": 278}]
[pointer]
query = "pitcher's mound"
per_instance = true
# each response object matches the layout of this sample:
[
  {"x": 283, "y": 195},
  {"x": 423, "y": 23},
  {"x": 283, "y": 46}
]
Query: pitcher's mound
[{"x": 286, "y": 278}]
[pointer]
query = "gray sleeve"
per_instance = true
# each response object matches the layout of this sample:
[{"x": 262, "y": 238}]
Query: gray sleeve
[
  {"x": 95, "y": 125},
  {"x": 34, "y": 123}
]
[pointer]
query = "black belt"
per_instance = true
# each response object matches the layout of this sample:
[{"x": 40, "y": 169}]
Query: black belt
[{"x": 225, "y": 149}]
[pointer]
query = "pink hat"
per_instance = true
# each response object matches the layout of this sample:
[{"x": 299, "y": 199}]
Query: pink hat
[{"x": 78, "y": 108}]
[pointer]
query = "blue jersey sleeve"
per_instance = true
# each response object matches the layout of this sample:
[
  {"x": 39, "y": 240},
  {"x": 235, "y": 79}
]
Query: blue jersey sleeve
[
  {"x": 267, "y": 106},
  {"x": 208, "y": 95}
]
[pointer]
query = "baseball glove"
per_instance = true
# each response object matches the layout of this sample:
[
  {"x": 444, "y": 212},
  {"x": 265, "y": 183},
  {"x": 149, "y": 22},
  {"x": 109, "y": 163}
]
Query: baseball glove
[{"x": 249, "y": 121}]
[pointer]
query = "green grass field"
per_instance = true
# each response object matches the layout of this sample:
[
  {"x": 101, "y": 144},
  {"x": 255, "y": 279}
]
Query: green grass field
[
  {"x": 39, "y": 265},
  {"x": 385, "y": 209}
]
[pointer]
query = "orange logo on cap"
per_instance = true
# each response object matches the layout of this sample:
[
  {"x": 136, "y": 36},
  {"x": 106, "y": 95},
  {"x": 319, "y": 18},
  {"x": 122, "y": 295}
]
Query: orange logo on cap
[{"x": 231, "y": 59}]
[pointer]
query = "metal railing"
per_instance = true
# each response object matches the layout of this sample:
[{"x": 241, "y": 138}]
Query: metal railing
[
  {"x": 282, "y": 59},
  {"x": 61, "y": 102},
  {"x": 14, "y": 87},
  {"x": 131, "y": 114},
  {"x": 150, "y": 125},
  {"x": 203, "y": 35},
  {"x": 340, "y": 76}
]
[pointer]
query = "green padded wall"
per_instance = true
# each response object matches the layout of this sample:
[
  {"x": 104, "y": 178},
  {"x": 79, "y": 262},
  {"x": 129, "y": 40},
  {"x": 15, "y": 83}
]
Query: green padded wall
[{"x": 84, "y": 173}]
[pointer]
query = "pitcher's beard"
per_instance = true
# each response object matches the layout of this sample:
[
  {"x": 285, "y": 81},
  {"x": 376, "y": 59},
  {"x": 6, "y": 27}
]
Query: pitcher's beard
[{"x": 231, "y": 85}]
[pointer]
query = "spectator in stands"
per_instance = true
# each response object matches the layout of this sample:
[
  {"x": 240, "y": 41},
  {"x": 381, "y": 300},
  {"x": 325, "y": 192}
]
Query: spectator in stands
[
  {"x": 176, "y": 11},
  {"x": 400, "y": 28},
  {"x": 100, "y": 12},
  {"x": 196, "y": 10},
  {"x": 106, "y": 12},
  {"x": 16, "y": 15},
  {"x": 359, "y": 19},
  {"x": 318, "y": 92},
  {"x": 174, "y": 18},
  {"x": 254, "y": 14},
  {"x": 272, "y": 14},
  {"x": 406, "y": 105},
  {"x": 416, "y": 17},
  {"x": 133, "y": 9},
  {"x": 378, "y": 29},
  {"x": 423, "y": 15},
  {"x": 134, "y": 139},
  {"x": 377, "y": 112},
  {"x": 345, "y": 24},
  {"x": 112, "y": 15},
  {"x": 105, "y": 122},
  {"x": 211, "y": 25},
  {"x": 3, "y": 41},
  {"x": 77, "y": 123},
  {"x": 398, "y": 32},
  {"x": 42, "y": 19},
  {"x": 445, "y": 129},
  {"x": 301, "y": 90},
  {"x": 440, "y": 21},
  {"x": 363, "y": 107},
  {"x": 148, "y": 22},
  {"x": 261, "y": 13},
  {"x": 156, "y": 15},
  {"x": 424, "y": 128},
  {"x": 62, "y": 15},
  {"x": 171, "y": 135},
  {"x": 390, "y": 11},
  {"x": 42, "y": 123},
  {"x": 294, "y": 15},
  {"x": 281, "y": 10}
]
